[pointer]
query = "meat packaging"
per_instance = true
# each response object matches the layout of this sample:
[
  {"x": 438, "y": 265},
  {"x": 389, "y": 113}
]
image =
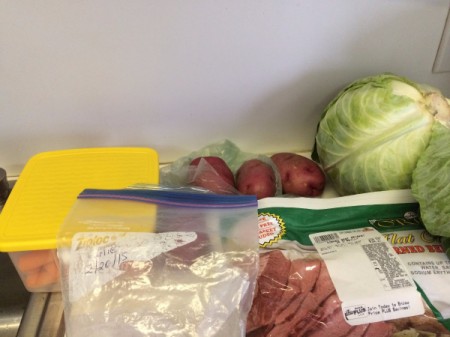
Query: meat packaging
[{"x": 296, "y": 297}]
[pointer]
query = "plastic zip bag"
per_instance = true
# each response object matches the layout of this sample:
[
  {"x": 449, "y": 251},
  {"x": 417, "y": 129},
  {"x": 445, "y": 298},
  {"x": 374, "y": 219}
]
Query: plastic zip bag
[{"x": 158, "y": 262}]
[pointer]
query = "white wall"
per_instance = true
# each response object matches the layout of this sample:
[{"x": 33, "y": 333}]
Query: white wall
[{"x": 178, "y": 75}]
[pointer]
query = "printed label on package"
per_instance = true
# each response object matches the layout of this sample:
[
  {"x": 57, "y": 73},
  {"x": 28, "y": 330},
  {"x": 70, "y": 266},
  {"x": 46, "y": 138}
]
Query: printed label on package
[
  {"x": 270, "y": 228},
  {"x": 425, "y": 258},
  {"x": 100, "y": 257},
  {"x": 370, "y": 279}
]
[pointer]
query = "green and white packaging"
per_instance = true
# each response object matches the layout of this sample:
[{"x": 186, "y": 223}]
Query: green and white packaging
[{"x": 287, "y": 222}]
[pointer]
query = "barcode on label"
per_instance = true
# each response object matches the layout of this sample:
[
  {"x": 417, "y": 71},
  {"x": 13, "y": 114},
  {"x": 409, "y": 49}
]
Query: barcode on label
[{"x": 326, "y": 237}]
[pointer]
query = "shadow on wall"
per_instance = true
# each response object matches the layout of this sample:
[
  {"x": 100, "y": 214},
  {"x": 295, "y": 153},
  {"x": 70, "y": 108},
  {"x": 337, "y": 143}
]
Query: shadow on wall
[{"x": 386, "y": 46}]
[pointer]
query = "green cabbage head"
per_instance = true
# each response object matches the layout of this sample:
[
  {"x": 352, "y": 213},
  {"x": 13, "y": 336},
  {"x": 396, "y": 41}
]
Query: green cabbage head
[{"x": 385, "y": 132}]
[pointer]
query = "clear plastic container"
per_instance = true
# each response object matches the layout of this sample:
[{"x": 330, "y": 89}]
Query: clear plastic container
[
  {"x": 44, "y": 193},
  {"x": 38, "y": 269}
]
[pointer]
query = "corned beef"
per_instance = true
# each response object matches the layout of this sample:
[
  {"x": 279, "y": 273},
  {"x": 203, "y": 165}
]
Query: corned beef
[
  {"x": 302, "y": 315},
  {"x": 302, "y": 276},
  {"x": 331, "y": 304},
  {"x": 324, "y": 286},
  {"x": 297, "y": 298},
  {"x": 357, "y": 330},
  {"x": 379, "y": 329},
  {"x": 335, "y": 323},
  {"x": 272, "y": 283}
]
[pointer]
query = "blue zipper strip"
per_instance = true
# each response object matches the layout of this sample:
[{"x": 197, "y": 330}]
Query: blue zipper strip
[{"x": 173, "y": 198}]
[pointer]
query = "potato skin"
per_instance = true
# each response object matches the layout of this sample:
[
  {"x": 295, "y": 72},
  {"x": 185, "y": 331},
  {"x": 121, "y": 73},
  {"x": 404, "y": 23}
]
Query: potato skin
[
  {"x": 213, "y": 174},
  {"x": 300, "y": 176},
  {"x": 256, "y": 177}
]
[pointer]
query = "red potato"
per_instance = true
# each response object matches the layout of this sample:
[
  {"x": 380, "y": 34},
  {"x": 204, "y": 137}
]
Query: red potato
[
  {"x": 256, "y": 177},
  {"x": 299, "y": 175},
  {"x": 213, "y": 174}
]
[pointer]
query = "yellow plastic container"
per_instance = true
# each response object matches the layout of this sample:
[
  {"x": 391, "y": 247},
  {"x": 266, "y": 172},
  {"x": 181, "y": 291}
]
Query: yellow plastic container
[{"x": 45, "y": 192}]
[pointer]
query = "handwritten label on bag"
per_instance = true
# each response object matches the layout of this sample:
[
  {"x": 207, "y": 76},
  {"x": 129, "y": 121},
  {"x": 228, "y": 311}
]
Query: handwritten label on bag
[{"x": 100, "y": 257}]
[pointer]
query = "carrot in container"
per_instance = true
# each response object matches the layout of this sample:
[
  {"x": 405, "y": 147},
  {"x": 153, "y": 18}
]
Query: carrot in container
[
  {"x": 35, "y": 259},
  {"x": 38, "y": 268},
  {"x": 44, "y": 276}
]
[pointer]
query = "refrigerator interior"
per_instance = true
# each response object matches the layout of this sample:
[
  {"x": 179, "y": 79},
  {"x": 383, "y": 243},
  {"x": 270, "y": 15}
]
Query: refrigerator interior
[{"x": 178, "y": 75}]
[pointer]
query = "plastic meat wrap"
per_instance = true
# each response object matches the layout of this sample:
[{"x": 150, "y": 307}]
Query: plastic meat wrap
[
  {"x": 298, "y": 293},
  {"x": 158, "y": 263},
  {"x": 295, "y": 296}
]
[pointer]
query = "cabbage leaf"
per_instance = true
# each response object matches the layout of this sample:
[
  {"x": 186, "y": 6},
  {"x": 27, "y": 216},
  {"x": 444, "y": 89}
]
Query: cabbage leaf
[{"x": 431, "y": 182}]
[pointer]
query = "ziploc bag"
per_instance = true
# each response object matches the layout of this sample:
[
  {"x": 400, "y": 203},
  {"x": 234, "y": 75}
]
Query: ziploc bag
[{"x": 158, "y": 262}]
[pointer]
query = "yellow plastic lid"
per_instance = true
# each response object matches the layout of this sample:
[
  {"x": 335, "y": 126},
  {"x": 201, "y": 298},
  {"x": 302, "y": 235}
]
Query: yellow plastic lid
[{"x": 51, "y": 181}]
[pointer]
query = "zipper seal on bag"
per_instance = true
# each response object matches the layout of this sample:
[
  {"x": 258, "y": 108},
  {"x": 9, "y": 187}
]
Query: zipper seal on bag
[{"x": 173, "y": 198}]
